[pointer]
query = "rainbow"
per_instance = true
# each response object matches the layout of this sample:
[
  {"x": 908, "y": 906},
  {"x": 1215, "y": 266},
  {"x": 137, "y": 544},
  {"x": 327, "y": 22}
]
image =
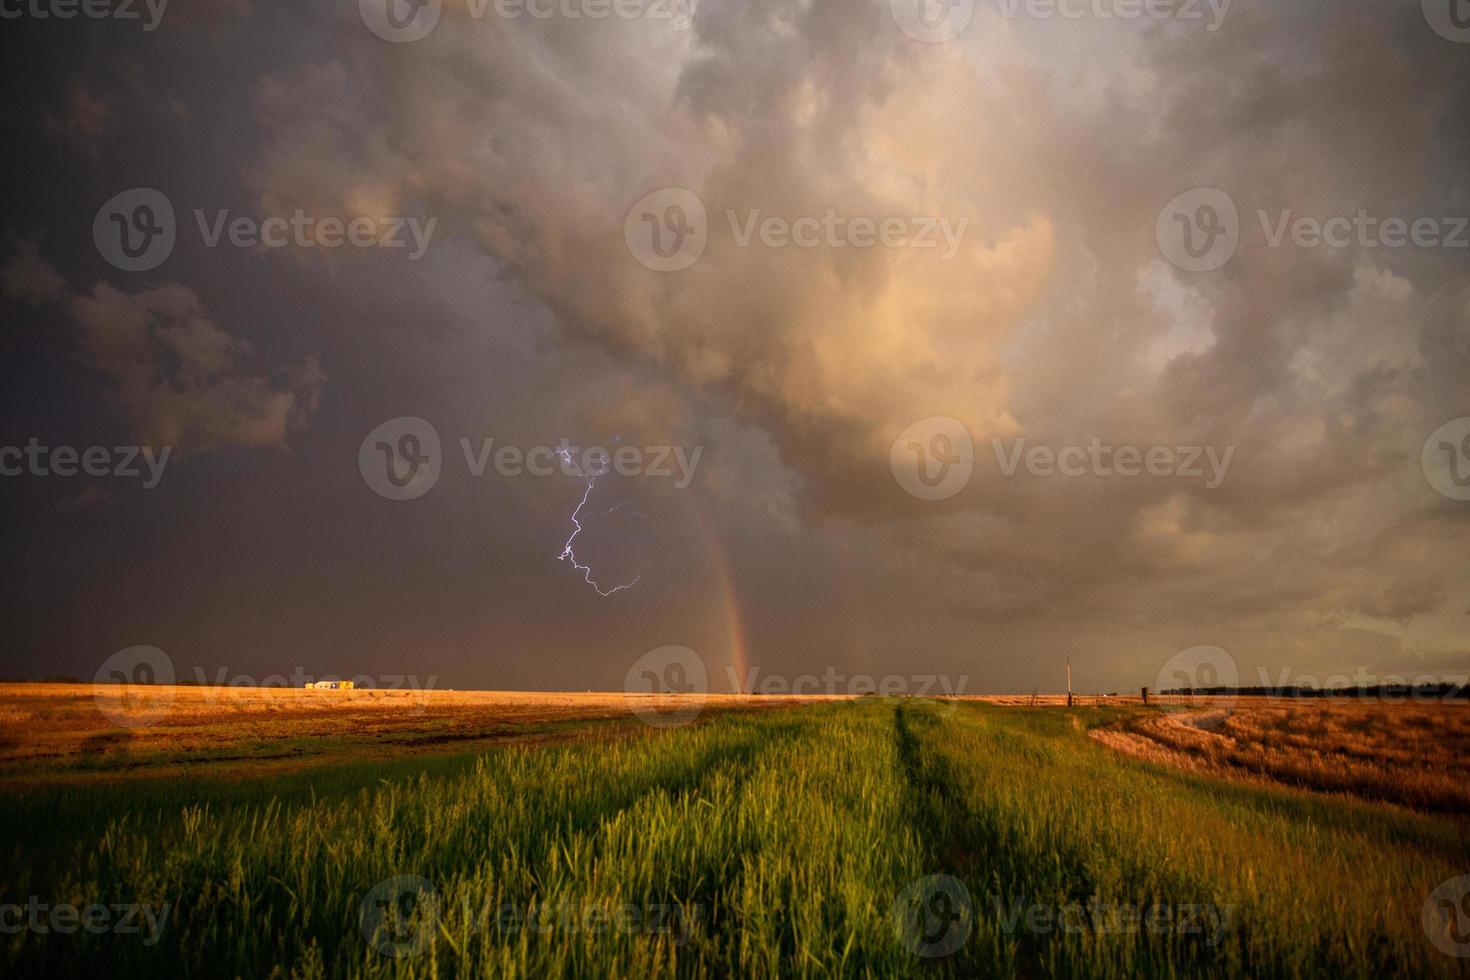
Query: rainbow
[{"x": 736, "y": 654}]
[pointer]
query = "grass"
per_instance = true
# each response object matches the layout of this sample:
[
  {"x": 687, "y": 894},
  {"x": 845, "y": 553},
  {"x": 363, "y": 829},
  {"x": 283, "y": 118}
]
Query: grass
[{"x": 755, "y": 844}]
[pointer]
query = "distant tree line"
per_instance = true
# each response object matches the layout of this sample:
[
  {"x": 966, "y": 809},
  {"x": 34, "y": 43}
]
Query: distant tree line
[
  {"x": 1377, "y": 692},
  {"x": 57, "y": 679}
]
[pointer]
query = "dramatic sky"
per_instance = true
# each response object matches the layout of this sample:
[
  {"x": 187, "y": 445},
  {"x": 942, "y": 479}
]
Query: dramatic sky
[{"x": 1050, "y": 147}]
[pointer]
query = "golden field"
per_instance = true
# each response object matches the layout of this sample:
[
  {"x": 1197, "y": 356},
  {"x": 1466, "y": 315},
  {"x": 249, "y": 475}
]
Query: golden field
[
  {"x": 1405, "y": 752},
  {"x": 62, "y": 731},
  {"x": 1413, "y": 753}
]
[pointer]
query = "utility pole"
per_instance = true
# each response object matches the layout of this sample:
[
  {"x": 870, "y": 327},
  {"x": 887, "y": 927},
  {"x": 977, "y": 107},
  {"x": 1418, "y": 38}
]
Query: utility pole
[{"x": 1069, "y": 682}]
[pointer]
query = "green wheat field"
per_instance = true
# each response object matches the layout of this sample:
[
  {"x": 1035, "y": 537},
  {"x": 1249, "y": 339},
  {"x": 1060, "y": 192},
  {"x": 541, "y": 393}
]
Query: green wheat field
[{"x": 876, "y": 837}]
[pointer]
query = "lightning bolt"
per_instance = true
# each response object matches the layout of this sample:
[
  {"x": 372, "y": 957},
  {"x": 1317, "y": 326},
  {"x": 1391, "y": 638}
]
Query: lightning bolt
[{"x": 568, "y": 553}]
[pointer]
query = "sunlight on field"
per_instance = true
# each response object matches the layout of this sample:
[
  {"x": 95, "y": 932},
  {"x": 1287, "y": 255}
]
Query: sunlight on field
[
  {"x": 59, "y": 730},
  {"x": 1408, "y": 752},
  {"x": 867, "y": 837}
]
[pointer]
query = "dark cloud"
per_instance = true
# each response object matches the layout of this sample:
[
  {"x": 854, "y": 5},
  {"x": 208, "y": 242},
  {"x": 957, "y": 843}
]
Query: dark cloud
[
  {"x": 27, "y": 278},
  {"x": 182, "y": 381},
  {"x": 1056, "y": 319}
]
